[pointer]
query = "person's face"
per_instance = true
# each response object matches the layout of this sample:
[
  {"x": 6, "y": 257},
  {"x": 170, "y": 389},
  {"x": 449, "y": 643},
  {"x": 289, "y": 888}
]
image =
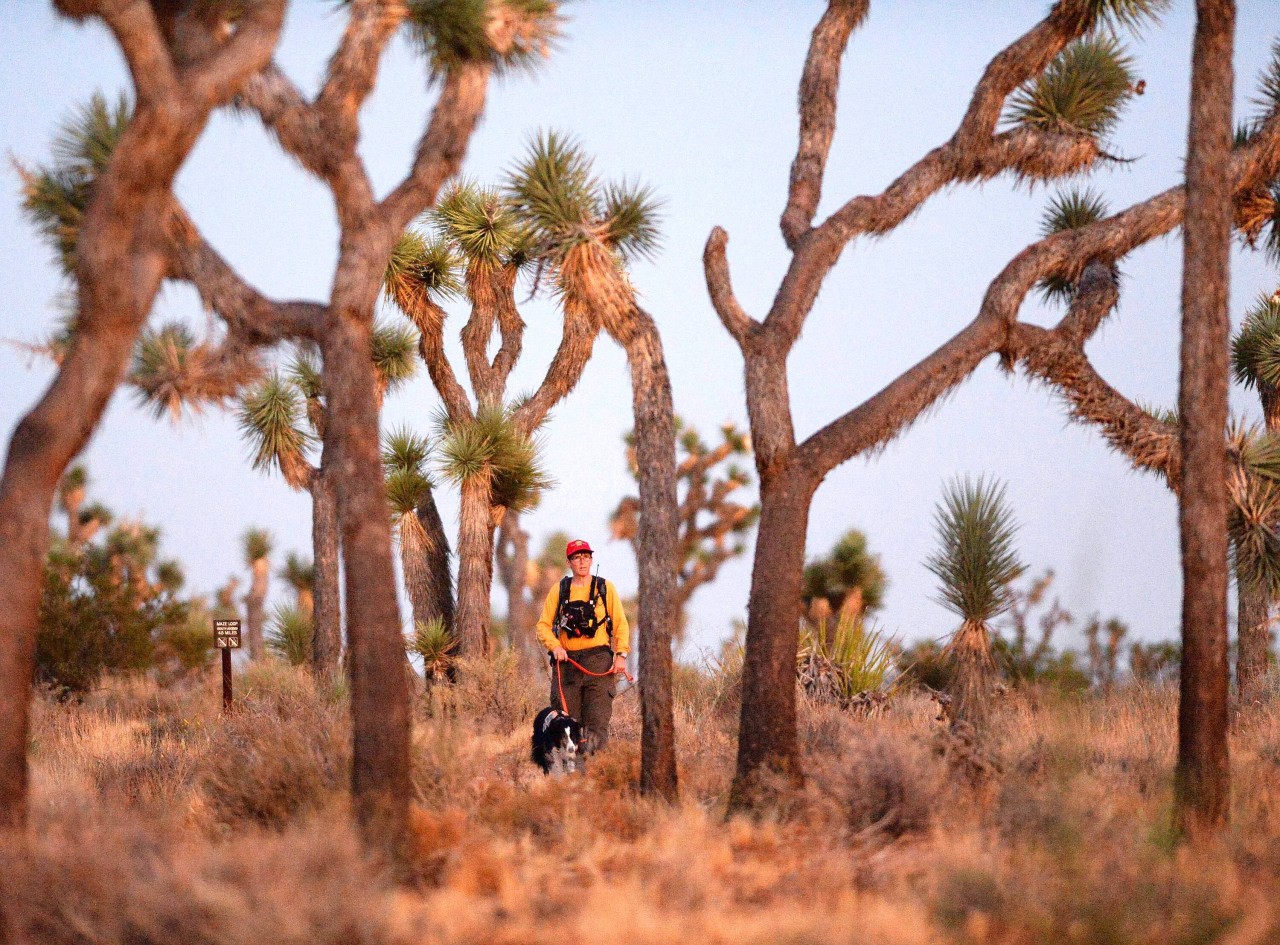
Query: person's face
[{"x": 581, "y": 564}]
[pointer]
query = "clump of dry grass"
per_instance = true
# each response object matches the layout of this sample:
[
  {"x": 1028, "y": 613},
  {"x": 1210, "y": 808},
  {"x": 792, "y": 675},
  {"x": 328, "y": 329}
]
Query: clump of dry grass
[{"x": 1064, "y": 837}]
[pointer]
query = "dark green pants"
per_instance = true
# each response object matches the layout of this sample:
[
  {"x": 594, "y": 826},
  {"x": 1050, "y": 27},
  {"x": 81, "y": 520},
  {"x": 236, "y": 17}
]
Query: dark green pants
[{"x": 589, "y": 699}]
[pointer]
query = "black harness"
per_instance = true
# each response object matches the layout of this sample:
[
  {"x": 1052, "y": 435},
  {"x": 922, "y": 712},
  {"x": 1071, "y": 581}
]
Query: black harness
[{"x": 577, "y": 618}]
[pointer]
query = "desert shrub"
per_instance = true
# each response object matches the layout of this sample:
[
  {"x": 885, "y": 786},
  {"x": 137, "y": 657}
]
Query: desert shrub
[
  {"x": 96, "y": 617},
  {"x": 497, "y": 694},
  {"x": 839, "y": 663},
  {"x": 282, "y": 753},
  {"x": 96, "y": 876}
]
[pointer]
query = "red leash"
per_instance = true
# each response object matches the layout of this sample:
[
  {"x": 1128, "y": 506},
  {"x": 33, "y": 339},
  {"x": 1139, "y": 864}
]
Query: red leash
[{"x": 564, "y": 705}]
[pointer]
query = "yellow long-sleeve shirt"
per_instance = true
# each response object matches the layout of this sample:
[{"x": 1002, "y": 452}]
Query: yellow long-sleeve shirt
[{"x": 621, "y": 642}]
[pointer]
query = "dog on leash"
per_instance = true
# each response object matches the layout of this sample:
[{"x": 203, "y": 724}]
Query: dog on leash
[{"x": 557, "y": 742}]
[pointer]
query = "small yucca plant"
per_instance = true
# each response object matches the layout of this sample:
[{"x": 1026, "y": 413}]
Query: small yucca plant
[
  {"x": 435, "y": 645},
  {"x": 395, "y": 349},
  {"x": 290, "y": 635},
  {"x": 172, "y": 371},
  {"x": 1083, "y": 91},
  {"x": 843, "y": 662},
  {"x": 975, "y": 564}
]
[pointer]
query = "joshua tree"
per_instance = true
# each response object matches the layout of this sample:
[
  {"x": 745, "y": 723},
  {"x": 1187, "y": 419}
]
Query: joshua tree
[
  {"x": 589, "y": 231},
  {"x": 424, "y": 547},
  {"x": 1203, "y": 774},
  {"x": 186, "y": 60},
  {"x": 975, "y": 564},
  {"x": 513, "y": 565},
  {"x": 479, "y": 247},
  {"x": 1255, "y": 354},
  {"x": 257, "y": 544},
  {"x": 849, "y": 581},
  {"x": 300, "y": 574},
  {"x": 1060, "y": 90},
  {"x": 711, "y": 524},
  {"x": 282, "y": 417}
]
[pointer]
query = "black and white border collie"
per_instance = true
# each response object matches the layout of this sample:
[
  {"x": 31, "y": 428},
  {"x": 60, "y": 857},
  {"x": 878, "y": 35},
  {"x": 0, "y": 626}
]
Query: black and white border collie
[{"x": 557, "y": 742}]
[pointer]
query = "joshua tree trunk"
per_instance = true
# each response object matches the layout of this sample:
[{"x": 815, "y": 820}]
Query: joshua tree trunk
[
  {"x": 513, "y": 567},
  {"x": 255, "y": 603},
  {"x": 326, "y": 640},
  {"x": 767, "y": 727},
  {"x": 380, "y": 697},
  {"x": 475, "y": 567},
  {"x": 121, "y": 260},
  {"x": 1203, "y": 773},
  {"x": 437, "y": 554},
  {"x": 1252, "y": 633},
  {"x": 657, "y": 555},
  {"x": 1253, "y": 625},
  {"x": 975, "y": 671}
]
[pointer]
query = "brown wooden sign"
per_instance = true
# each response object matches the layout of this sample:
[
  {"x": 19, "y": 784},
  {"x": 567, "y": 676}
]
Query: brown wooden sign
[{"x": 226, "y": 634}]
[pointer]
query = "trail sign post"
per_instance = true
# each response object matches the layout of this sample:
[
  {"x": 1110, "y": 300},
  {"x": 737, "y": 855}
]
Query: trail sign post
[{"x": 226, "y": 637}]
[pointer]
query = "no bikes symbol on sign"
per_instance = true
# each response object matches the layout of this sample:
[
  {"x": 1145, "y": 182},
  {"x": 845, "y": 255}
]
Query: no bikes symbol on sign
[{"x": 226, "y": 634}]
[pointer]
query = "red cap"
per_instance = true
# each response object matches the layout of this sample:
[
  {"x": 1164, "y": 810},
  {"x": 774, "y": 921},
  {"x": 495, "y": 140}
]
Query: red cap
[{"x": 576, "y": 546}]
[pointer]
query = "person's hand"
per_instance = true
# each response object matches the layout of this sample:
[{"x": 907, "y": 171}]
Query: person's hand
[
  {"x": 560, "y": 654},
  {"x": 620, "y": 663}
]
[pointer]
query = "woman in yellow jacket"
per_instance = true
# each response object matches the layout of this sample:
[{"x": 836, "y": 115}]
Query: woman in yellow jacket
[{"x": 597, "y": 638}]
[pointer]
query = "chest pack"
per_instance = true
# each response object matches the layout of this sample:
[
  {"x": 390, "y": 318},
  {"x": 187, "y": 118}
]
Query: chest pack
[{"x": 577, "y": 618}]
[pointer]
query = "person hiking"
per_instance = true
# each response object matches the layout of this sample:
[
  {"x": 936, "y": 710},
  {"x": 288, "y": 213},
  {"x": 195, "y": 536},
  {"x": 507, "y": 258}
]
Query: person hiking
[{"x": 583, "y": 623}]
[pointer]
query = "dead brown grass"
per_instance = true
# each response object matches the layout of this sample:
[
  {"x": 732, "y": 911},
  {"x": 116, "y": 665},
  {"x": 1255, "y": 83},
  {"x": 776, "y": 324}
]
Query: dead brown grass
[{"x": 158, "y": 821}]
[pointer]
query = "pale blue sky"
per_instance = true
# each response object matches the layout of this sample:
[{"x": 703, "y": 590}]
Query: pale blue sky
[{"x": 698, "y": 100}]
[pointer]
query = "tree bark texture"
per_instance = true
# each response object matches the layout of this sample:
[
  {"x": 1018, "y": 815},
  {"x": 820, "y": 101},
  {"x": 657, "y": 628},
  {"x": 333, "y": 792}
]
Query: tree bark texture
[
  {"x": 1203, "y": 772},
  {"x": 657, "y": 555},
  {"x": 1253, "y": 611},
  {"x": 767, "y": 737},
  {"x": 1253, "y": 628},
  {"x": 255, "y": 606},
  {"x": 437, "y": 552},
  {"x": 326, "y": 640},
  {"x": 475, "y": 567},
  {"x": 380, "y": 697}
]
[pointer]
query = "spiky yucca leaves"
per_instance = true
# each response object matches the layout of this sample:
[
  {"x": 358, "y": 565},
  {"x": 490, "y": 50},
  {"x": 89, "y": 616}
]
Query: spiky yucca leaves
[
  {"x": 299, "y": 572},
  {"x": 1069, "y": 209},
  {"x": 172, "y": 371},
  {"x": 490, "y": 447},
  {"x": 290, "y": 635},
  {"x": 483, "y": 225},
  {"x": 435, "y": 645},
  {"x": 1083, "y": 91},
  {"x": 1255, "y": 350},
  {"x": 55, "y": 197},
  {"x": 509, "y": 34},
  {"x": 1116, "y": 15},
  {"x": 841, "y": 663},
  {"x": 394, "y": 349},
  {"x": 555, "y": 189},
  {"x": 975, "y": 564},
  {"x": 1268, "y": 98},
  {"x": 257, "y": 545},
  {"x": 270, "y": 418},
  {"x": 421, "y": 268}
]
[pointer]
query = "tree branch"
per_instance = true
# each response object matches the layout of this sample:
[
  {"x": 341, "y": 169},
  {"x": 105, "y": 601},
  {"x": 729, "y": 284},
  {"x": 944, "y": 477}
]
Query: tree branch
[
  {"x": 715, "y": 266},
  {"x": 444, "y": 145},
  {"x": 216, "y": 77},
  {"x": 577, "y": 340},
  {"x": 250, "y": 316},
  {"x": 819, "y": 87},
  {"x": 134, "y": 25},
  {"x": 353, "y": 69}
]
